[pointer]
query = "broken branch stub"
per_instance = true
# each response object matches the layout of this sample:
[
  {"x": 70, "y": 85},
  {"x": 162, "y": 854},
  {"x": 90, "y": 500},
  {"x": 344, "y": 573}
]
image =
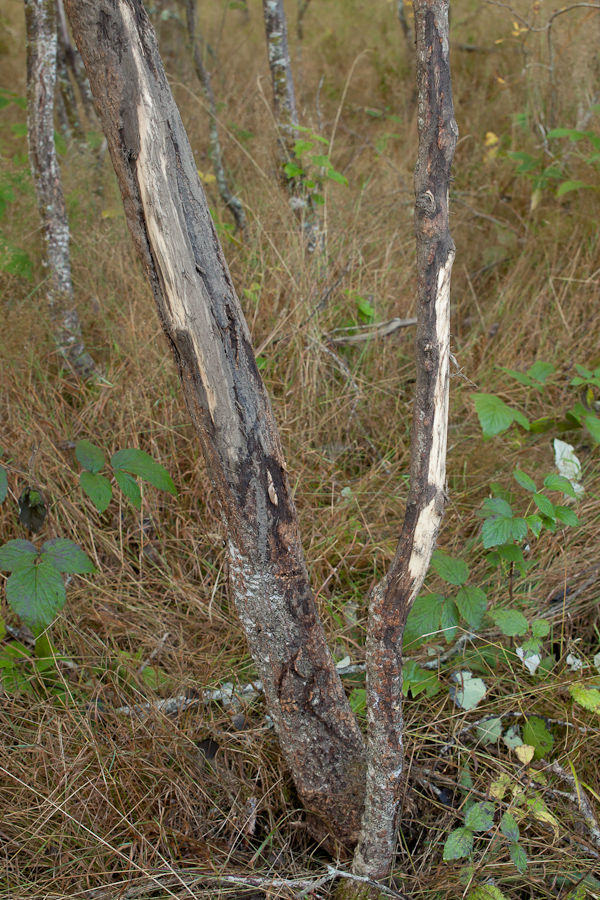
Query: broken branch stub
[
  {"x": 175, "y": 238},
  {"x": 393, "y": 597}
]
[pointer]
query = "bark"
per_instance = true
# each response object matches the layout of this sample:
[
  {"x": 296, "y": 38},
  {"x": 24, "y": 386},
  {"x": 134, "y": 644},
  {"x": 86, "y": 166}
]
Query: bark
[
  {"x": 284, "y": 97},
  {"x": 41, "y": 81},
  {"x": 394, "y": 596},
  {"x": 73, "y": 61},
  {"x": 231, "y": 202},
  {"x": 73, "y": 124},
  {"x": 175, "y": 238}
]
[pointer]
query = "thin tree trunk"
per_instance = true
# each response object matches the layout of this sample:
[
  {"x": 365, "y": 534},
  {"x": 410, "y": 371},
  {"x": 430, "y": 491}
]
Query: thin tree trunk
[
  {"x": 73, "y": 123},
  {"x": 41, "y": 81},
  {"x": 74, "y": 62},
  {"x": 284, "y": 97},
  {"x": 231, "y": 202},
  {"x": 394, "y": 596},
  {"x": 404, "y": 25},
  {"x": 301, "y": 12},
  {"x": 175, "y": 238}
]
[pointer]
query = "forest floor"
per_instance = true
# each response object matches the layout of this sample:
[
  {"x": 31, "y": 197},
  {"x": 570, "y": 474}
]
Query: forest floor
[{"x": 106, "y": 793}]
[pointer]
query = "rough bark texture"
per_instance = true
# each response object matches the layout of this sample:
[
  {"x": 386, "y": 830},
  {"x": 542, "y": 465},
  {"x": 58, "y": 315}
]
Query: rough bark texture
[
  {"x": 232, "y": 202},
  {"x": 284, "y": 97},
  {"x": 392, "y": 599},
  {"x": 41, "y": 81},
  {"x": 173, "y": 233}
]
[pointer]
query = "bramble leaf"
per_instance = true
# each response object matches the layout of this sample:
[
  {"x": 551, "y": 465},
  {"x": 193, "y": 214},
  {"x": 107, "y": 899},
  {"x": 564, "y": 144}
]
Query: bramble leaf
[
  {"x": 17, "y": 554},
  {"x": 511, "y": 622},
  {"x": 98, "y": 488},
  {"x": 138, "y": 462},
  {"x": 537, "y": 736},
  {"x": 458, "y": 844},
  {"x": 90, "y": 456},
  {"x": 36, "y": 593},
  {"x": 66, "y": 556},
  {"x": 472, "y": 604},
  {"x": 525, "y": 481},
  {"x": 3, "y": 484},
  {"x": 130, "y": 487},
  {"x": 454, "y": 571},
  {"x": 423, "y": 620},
  {"x": 480, "y": 816}
]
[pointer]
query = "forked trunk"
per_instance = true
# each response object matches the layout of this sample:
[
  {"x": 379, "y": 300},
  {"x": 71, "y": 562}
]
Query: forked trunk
[
  {"x": 394, "y": 596},
  {"x": 40, "y": 20},
  {"x": 174, "y": 236}
]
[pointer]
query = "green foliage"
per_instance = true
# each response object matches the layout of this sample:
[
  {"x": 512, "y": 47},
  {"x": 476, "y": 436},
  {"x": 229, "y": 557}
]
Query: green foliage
[
  {"x": 495, "y": 416},
  {"x": 312, "y": 167},
  {"x": 125, "y": 464},
  {"x": 536, "y": 734}
]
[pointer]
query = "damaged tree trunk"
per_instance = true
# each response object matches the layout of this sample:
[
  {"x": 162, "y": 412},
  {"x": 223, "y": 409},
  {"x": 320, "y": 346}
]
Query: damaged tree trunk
[
  {"x": 175, "y": 238},
  {"x": 40, "y": 19},
  {"x": 204, "y": 77},
  {"x": 393, "y": 597},
  {"x": 284, "y": 97}
]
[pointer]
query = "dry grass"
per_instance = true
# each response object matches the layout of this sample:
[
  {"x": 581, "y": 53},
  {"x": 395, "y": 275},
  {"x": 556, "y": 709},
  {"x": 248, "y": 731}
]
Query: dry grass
[{"x": 92, "y": 799}]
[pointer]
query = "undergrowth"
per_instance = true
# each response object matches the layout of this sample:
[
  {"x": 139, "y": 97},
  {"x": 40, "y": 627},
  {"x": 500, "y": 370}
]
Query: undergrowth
[{"x": 100, "y": 790}]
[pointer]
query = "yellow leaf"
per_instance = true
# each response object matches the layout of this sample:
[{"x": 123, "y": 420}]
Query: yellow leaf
[
  {"x": 490, "y": 139},
  {"x": 498, "y": 788},
  {"x": 525, "y": 753}
]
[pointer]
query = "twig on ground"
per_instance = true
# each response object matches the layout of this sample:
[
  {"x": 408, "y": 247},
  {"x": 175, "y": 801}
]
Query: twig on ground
[
  {"x": 579, "y": 798},
  {"x": 381, "y": 329}
]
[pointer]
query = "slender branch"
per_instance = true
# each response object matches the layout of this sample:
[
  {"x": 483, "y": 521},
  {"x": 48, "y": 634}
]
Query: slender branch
[
  {"x": 284, "y": 97},
  {"x": 393, "y": 597},
  {"x": 230, "y": 200}
]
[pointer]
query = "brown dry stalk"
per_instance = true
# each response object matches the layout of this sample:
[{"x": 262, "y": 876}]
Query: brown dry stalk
[{"x": 175, "y": 238}]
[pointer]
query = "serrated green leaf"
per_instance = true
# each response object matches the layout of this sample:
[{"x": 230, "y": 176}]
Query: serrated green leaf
[
  {"x": 566, "y": 516},
  {"x": 489, "y": 731},
  {"x": 336, "y": 176},
  {"x": 472, "y": 604},
  {"x": 510, "y": 553},
  {"x": 541, "y": 371},
  {"x": 509, "y": 827},
  {"x": 511, "y": 622},
  {"x": 138, "y": 462},
  {"x": 36, "y": 593},
  {"x": 587, "y": 697},
  {"x": 519, "y": 858},
  {"x": 98, "y": 488},
  {"x": 567, "y": 186},
  {"x": 416, "y": 680},
  {"x": 521, "y": 377},
  {"x": 358, "y": 701},
  {"x": 66, "y": 556},
  {"x": 480, "y": 816},
  {"x": 521, "y": 419},
  {"x": 518, "y": 528},
  {"x": 535, "y": 523},
  {"x": 497, "y": 506},
  {"x": 525, "y": 481},
  {"x": 592, "y": 424},
  {"x": 449, "y": 620},
  {"x": 458, "y": 844},
  {"x": 537, "y": 735},
  {"x": 540, "y": 628},
  {"x": 129, "y": 486},
  {"x": 545, "y": 506},
  {"x": 3, "y": 484},
  {"x": 17, "y": 554},
  {"x": 486, "y": 892},
  {"x": 496, "y": 530},
  {"x": 423, "y": 621},
  {"x": 90, "y": 456},
  {"x": 560, "y": 483},
  {"x": 494, "y": 415},
  {"x": 454, "y": 571}
]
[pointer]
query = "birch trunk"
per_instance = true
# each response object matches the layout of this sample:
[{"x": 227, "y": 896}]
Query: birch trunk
[
  {"x": 174, "y": 236},
  {"x": 40, "y": 19},
  {"x": 284, "y": 97},
  {"x": 392, "y": 599},
  {"x": 204, "y": 77}
]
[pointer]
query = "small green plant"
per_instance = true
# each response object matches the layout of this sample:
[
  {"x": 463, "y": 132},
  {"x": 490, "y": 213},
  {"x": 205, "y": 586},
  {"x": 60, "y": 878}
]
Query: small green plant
[
  {"x": 35, "y": 588},
  {"x": 312, "y": 168}
]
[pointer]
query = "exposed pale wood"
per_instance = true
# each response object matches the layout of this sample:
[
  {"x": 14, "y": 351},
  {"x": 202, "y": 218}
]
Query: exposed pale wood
[
  {"x": 393, "y": 597},
  {"x": 40, "y": 17},
  {"x": 176, "y": 241}
]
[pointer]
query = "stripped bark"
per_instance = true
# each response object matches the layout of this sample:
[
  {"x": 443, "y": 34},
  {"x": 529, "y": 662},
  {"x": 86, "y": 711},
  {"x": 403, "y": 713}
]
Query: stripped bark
[
  {"x": 41, "y": 81},
  {"x": 230, "y": 200},
  {"x": 393, "y": 597},
  {"x": 284, "y": 97},
  {"x": 175, "y": 238}
]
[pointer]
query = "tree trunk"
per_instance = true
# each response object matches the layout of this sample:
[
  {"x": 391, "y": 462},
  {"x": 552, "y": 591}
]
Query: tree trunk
[
  {"x": 404, "y": 25},
  {"x": 284, "y": 97},
  {"x": 41, "y": 82},
  {"x": 175, "y": 238},
  {"x": 394, "y": 596},
  {"x": 233, "y": 203}
]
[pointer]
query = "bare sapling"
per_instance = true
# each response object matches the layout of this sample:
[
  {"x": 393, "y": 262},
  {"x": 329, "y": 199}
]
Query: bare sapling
[
  {"x": 392, "y": 599},
  {"x": 233, "y": 203},
  {"x": 284, "y": 97},
  {"x": 40, "y": 16}
]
